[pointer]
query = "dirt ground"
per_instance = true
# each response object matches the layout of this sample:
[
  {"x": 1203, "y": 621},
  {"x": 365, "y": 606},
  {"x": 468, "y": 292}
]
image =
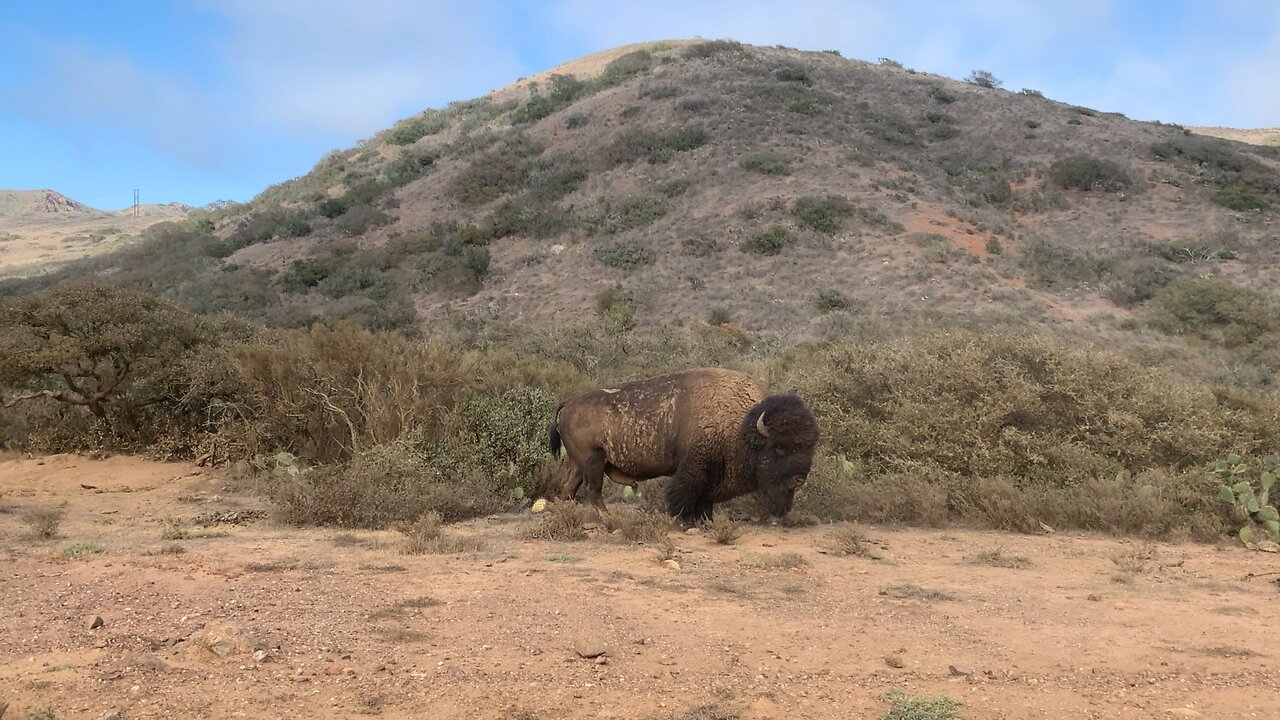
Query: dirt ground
[{"x": 347, "y": 625}]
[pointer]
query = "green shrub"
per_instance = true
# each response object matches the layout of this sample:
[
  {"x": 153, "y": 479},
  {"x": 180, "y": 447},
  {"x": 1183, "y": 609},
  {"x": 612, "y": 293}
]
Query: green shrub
[
  {"x": 823, "y": 214},
  {"x": 1136, "y": 280},
  {"x": 766, "y": 163},
  {"x": 624, "y": 255},
  {"x": 627, "y": 213},
  {"x": 625, "y": 67},
  {"x": 1242, "y": 198},
  {"x": 576, "y": 121},
  {"x": 715, "y": 49},
  {"x": 719, "y": 316},
  {"x": 660, "y": 92},
  {"x": 794, "y": 73},
  {"x": 410, "y": 130},
  {"x": 1087, "y": 173},
  {"x": 941, "y": 95},
  {"x": 526, "y": 216},
  {"x": 675, "y": 187},
  {"x": 506, "y": 435},
  {"x": 1028, "y": 92},
  {"x": 1032, "y": 124},
  {"x": 831, "y": 299},
  {"x": 495, "y": 173},
  {"x": 1217, "y": 310},
  {"x": 770, "y": 241},
  {"x": 637, "y": 143},
  {"x": 1052, "y": 265}
]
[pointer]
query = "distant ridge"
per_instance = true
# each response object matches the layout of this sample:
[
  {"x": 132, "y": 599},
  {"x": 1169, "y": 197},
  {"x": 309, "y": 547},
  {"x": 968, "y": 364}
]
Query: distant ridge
[{"x": 39, "y": 202}]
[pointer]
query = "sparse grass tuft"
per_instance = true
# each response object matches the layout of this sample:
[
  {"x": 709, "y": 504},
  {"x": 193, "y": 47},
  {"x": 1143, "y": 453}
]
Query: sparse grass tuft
[
  {"x": 911, "y": 591},
  {"x": 999, "y": 558},
  {"x": 174, "y": 530},
  {"x": 78, "y": 551},
  {"x": 920, "y": 707},
  {"x": 784, "y": 561}
]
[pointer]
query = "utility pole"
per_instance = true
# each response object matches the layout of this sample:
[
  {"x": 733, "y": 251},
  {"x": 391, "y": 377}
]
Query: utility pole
[{"x": 136, "y": 210}]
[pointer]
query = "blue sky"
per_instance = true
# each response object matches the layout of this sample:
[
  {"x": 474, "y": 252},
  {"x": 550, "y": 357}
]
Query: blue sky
[{"x": 206, "y": 100}]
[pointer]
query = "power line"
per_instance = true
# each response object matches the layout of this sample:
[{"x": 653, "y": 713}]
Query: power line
[{"x": 136, "y": 210}]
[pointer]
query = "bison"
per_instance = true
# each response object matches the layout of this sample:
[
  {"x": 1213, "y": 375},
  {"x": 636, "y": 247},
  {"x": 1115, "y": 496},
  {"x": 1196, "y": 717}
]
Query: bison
[{"x": 713, "y": 431}]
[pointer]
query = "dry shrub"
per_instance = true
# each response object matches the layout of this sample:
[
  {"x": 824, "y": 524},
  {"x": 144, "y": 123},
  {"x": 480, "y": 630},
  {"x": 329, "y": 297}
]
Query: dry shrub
[
  {"x": 383, "y": 485},
  {"x": 637, "y": 526},
  {"x": 1017, "y": 406},
  {"x": 43, "y": 522},
  {"x": 327, "y": 394},
  {"x": 849, "y": 540},
  {"x": 562, "y": 520},
  {"x": 724, "y": 529}
]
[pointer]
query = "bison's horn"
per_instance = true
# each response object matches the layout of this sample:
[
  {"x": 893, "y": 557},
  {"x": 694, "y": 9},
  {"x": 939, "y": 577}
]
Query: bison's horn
[{"x": 760, "y": 427}]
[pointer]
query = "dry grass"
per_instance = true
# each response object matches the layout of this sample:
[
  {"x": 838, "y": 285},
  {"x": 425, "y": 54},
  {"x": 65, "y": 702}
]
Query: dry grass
[
  {"x": 999, "y": 558},
  {"x": 724, "y": 529},
  {"x": 637, "y": 526},
  {"x": 562, "y": 520},
  {"x": 427, "y": 536},
  {"x": 79, "y": 551},
  {"x": 784, "y": 561}
]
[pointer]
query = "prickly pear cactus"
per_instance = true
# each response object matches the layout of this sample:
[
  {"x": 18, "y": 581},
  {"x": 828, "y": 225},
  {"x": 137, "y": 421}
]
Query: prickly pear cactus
[{"x": 1250, "y": 500}]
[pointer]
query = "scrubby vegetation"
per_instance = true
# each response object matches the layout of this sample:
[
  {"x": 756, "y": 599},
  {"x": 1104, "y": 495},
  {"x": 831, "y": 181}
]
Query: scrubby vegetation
[{"x": 358, "y": 335}]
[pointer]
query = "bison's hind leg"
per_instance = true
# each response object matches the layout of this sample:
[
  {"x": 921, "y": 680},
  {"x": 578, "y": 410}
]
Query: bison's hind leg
[{"x": 572, "y": 481}]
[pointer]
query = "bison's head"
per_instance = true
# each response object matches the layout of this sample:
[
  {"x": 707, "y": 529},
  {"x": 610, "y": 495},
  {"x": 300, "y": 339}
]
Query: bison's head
[{"x": 780, "y": 434}]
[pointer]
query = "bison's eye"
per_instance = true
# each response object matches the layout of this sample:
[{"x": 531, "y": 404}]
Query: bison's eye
[{"x": 779, "y": 452}]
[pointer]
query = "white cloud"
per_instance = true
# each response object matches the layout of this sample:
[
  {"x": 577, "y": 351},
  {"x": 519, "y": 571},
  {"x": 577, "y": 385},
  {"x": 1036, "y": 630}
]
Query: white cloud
[
  {"x": 83, "y": 87},
  {"x": 331, "y": 67}
]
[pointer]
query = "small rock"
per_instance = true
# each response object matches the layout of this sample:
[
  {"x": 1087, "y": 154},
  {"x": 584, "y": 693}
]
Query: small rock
[
  {"x": 261, "y": 656},
  {"x": 110, "y": 715},
  {"x": 4, "y": 705},
  {"x": 693, "y": 531},
  {"x": 1267, "y": 546},
  {"x": 1119, "y": 604},
  {"x": 1094, "y": 597},
  {"x": 590, "y": 646},
  {"x": 670, "y": 564},
  {"x": 1046, "y": 529},
  {"x": 143, "y": 661},
  {"x": 225, "y": 639},
  {"x": 602, "y": 660},
  {"x": 1183, "y": 712},
  {"x": 960, "y": 670},
  {"x": 93, "y": 622},
  {"x": 893, "y": 661}
]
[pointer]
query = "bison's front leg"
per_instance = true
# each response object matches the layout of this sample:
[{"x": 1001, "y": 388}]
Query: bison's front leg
[{"x": 685, "y": 495}]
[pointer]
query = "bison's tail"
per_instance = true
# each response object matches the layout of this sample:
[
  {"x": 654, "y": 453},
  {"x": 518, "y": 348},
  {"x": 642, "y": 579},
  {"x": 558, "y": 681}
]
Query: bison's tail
[{"x": 553, "y": 434}]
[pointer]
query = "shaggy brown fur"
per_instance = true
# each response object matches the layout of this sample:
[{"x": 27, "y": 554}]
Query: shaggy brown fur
[{"x": 697, "y": 426}]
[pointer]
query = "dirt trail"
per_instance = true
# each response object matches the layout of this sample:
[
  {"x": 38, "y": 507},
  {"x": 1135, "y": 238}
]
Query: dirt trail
[{"x": 1092, "y": 628}]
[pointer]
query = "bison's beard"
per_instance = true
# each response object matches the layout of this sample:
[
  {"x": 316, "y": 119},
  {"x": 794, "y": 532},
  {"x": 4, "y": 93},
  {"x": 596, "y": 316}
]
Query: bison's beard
[{"x": 777, "y": 499}]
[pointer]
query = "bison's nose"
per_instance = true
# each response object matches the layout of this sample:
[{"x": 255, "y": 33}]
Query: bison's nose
[{"x": 796, "y": 482}]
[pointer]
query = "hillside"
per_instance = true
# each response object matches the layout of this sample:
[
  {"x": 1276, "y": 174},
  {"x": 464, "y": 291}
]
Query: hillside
[
  {"x": 795, "y": 195},
  {"x": 41, "y": 230}
]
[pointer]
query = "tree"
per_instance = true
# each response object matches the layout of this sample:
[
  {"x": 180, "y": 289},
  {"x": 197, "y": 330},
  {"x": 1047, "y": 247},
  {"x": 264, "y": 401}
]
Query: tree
[
  {"x": 95, "y": 346},
  {"x": 982, "y": 78}
]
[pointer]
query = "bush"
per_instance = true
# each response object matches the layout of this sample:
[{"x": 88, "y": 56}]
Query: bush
[
  {"x": 494, "y": 173},
  {"x": 624, "y": 255},
  {"x": 831, "y": 299},
  {"x": 1054, "y": 266},
  {"x": 766, "y": 163},
  {"x": 1217, "y": 310},
  {"x": 795, "y": 73},
  {"x": 660, "y": 92},
  {"x": 983, "y": 79},
  {"x": 714, "y": 49},
  {"x": 625, "y": 67},
  {"x": 719, "y": 316},
  {"x": 380, "y": 486},
  {"x": 823, "y": 214},
  {"x": 1087, "y": 173},
  {"x": 637, "y": 143},
  {"x": 947, "y": 408},
  {"x": 409, "y": 131},
  {"x": 627, "y": 213},
  {"x": 770, "y": 241},
  {"x": 1241, "y": 198}
]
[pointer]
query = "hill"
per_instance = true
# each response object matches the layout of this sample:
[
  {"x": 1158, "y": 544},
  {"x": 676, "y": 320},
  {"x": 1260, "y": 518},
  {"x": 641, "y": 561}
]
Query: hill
[
  {"x": 795, "y": 195},
  {"x": 41, "y": 230}
]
